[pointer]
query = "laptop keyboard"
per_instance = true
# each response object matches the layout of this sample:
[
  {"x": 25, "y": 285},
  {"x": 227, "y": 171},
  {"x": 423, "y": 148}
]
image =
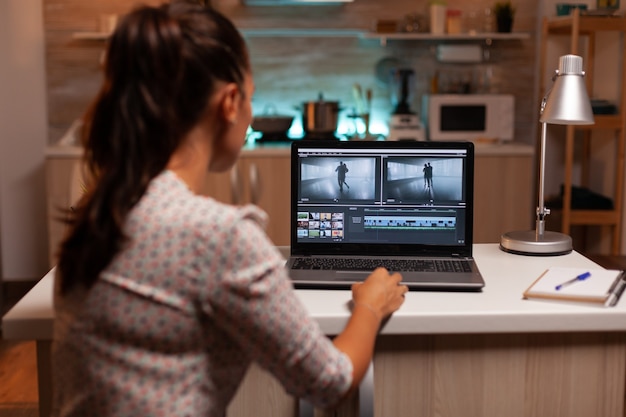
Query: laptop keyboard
[{"x": 369, "y": 264}]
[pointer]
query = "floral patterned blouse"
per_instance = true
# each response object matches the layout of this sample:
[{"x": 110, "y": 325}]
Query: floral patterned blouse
[{"x": 174, "y": 321}]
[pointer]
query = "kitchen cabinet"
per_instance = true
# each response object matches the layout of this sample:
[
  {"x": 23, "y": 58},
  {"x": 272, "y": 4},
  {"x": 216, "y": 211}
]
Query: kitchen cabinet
[
  {"x": 262, "y": 179},
  {"x": 503, "y": 191},
  {"x": 430, "y": 375},
  {"x": 576, "y": 26},
  {"x": 63, "y": 188},
  {"x": 261, "y": 394},
  {"x": 503, "y": 194}
]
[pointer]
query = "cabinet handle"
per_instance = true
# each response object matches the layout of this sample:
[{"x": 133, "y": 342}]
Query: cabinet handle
[
  {"x": 235, "y": 186},
  {"x": 366, "y": 393},
  {"x": 305, "y": 409},
  {"x": 255, "y": 184},
  {"x": 366, "y": 397}
]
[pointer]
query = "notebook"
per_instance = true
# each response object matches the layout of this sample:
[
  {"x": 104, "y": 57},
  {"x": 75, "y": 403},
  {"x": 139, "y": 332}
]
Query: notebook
[
  {"x": 602, "y": 287},
  {"x": 407, "y": 206}
]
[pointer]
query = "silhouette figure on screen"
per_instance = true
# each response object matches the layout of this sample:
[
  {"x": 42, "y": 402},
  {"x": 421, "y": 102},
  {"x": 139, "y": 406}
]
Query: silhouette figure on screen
[
  {"x": 428, "y": 175},
  {"x": 425, "y": 171},
  {"x": 429, "y": 180},
  {"x": 341, "y": 171}
]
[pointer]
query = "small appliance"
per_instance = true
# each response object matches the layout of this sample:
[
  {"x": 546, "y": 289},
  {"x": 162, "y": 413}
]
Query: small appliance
[
  {"x": 469, "y": 116},
  {"x": 404, "y": 124}
]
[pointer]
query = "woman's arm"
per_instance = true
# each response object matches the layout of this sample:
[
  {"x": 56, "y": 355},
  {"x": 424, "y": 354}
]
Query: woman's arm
[{"x": 373, "y": 300}]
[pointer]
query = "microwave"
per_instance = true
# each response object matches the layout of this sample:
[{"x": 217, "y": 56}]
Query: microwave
[{"x": 469, "y": 116}]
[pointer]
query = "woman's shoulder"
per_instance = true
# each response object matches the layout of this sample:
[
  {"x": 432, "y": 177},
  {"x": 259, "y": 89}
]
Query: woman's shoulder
[
  {"x": 169, "y": 200},
  {"x": 208, "y": 210}
]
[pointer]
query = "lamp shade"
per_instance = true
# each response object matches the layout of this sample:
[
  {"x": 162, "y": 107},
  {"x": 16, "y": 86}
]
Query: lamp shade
[{"x": 568, "y": 102}]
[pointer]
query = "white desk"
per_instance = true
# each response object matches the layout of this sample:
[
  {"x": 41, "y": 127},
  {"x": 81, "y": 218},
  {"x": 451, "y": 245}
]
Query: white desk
[{"x": 540, "y": 350}]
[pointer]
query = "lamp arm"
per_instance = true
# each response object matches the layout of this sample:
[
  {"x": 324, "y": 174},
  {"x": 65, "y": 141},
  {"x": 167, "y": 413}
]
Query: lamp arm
[{"x": 542, "y": 211}]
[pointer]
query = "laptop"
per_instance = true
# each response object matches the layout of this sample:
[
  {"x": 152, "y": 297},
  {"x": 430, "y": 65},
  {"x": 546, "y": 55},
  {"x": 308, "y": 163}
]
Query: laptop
[{"x": 407, "y": 206}]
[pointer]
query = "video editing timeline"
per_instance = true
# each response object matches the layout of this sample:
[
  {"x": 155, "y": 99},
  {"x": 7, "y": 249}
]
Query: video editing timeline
[
  {"x": 383, "y": 195},
  {"x": 409, "y": 222}
]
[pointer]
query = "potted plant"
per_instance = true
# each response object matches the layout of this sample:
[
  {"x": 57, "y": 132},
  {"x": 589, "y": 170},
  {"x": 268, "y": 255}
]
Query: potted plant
[{"x": 504, "y": 13}]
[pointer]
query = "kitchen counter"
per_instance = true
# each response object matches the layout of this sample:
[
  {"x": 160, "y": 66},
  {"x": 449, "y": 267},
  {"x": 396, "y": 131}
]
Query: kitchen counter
[
  {"x": 67, "y": 146},
  {"x": 499, "y": 308},
  {"x": 281, "y": 149}
]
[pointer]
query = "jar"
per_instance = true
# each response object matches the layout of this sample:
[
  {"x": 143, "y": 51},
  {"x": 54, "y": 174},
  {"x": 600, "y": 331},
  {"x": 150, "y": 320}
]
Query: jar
[
  {"x": 453, "y": 21},
  {"x": 437, "y": 18},
  {"x": 472, "y": 23}
]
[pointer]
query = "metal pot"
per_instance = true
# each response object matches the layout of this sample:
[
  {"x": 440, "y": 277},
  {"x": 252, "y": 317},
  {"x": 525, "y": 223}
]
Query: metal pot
[{"x": 320, "y": 116}]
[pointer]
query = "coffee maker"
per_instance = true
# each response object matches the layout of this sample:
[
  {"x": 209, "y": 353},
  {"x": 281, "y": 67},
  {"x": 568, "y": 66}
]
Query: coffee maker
[{"x": 404, "y": 124}]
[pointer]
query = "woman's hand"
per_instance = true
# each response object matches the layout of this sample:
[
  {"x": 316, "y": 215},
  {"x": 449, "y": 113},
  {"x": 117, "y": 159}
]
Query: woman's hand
[{"x": 381, "y": 292}]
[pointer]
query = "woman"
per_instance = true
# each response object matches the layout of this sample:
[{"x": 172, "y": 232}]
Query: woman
[{"x": 164, "y": 297}]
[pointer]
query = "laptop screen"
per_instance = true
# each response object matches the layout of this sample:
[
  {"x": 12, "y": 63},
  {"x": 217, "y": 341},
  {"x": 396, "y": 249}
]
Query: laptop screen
[{"x": 410, "y": 197}]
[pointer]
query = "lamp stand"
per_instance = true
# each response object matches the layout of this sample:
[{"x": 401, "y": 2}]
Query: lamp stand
[
  {"x": 530, "y": 243},
  {"x": 538, "y": 242}
]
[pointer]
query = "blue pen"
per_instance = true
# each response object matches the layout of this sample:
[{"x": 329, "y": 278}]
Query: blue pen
[{"x": 580, "y": 277}]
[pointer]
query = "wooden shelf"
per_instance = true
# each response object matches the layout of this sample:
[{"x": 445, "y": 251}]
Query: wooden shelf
[
  {"x": 594, "y": 217},
  {"x": 302, "y": 32},
  {"x": 91, "y": 36},
  {"x": 353, "y": 33},
  {"x": 575, "y": 26},
  {"x": 586, "y": 24},
  {"x": 603, "y": 122},
  {"x": 283, "y": 3},
  {"x": 258, "y": 33},
  {"x": 486, "y": 37}
]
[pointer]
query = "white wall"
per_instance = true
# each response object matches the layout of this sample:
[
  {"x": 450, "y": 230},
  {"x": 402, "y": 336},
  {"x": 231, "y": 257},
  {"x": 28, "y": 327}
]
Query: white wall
[{"x": 23, "y": 136}]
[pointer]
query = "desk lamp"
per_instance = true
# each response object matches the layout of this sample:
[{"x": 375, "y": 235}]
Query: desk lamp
[{"x": 566, "y": 103}]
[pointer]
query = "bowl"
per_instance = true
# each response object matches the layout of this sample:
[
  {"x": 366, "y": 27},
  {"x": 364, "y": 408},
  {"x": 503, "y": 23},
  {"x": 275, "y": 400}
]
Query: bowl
[{"x": 271, "y": 123}]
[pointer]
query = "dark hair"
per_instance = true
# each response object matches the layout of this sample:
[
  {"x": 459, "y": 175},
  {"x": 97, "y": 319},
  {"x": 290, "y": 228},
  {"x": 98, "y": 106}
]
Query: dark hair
[{"x": 161, "y": 68}]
